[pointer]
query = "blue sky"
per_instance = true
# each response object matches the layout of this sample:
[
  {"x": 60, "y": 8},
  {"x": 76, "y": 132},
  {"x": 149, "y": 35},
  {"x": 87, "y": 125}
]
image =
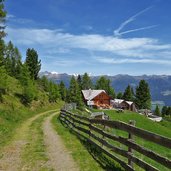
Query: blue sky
[{"x": 95, "y": 36}]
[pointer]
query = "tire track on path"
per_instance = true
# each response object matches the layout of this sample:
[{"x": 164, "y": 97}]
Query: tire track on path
[{"x": 11, "y": 154}]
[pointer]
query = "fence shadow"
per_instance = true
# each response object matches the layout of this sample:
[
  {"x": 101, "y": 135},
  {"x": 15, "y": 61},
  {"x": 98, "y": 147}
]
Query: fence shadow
[{"x": 105, "y": 162}]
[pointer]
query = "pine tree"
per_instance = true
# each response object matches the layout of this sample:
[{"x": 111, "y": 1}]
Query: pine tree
[
  {"x": 104, "y": 84},
  {"x": 157, "y": 111},
  {"x": 143, "y": 97},
  {"x": 54, "y": 93},
  {"x": 164, "y": 110},
  {"x": 2, "y": 51},
  {"x": 2, "y": 19},
  {"x": 128, "y": 94},
  {"x": 63, "y": 91},
  {"x": 119, "y": 95},
  {"x": 45, "y": 83},
  {"x": 34, "y": 65},
  {"x": 168, "y": 112},
  {"x": 3, "y": 82},
  {"x": 86, "y": 82},
  {"x": 74, "y": 92},
  {"x": 2, "y": 32},
  {"x": 12, "y": 60},
  {"x": 29, "y": 88},
  {"x": 79, "y": 80}
]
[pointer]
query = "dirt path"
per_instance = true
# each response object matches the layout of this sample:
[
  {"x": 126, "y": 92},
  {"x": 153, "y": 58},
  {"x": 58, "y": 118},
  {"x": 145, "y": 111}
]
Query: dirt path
[
  {"x": 11, "y": 153},
  {"x": 59, "y": 157}
]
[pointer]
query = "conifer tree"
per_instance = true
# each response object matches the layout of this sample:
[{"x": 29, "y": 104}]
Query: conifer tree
[
  {"x": 34, "y": 65},
  {"x": 119, "y": 95},
  {"x": 63, "y": 91},
  {"x": 143, "y": 97},
  {"x": 2, "y": 32},
  {"x": 86, "y": 82},
  {"x": 128, "y": 94},
  {"x": 168, "y": 111},
  {"x": 2, "y": 19},
  {"x": 3, "y": 82},
  {"x": 75, "y": 93},
  {"x": 157, "y": 111},
  {"x": 79, "y": 80},
  {"x": 104, "y": 84},
  {"x": 164, "y": 110},
  {"x": 45, "y": 83},
  {"x": 2, "y": 51},
  {"x": 12, "y": 60},
  {"x": 29, "y": 88},
  {"x": 54, "y": 93}
]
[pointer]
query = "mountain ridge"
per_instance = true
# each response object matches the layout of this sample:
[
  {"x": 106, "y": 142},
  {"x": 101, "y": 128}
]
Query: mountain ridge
[{"x": 160, "y": 85}]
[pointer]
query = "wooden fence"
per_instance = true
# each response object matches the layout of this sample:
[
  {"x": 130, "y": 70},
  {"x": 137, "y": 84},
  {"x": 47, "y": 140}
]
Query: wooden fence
[{"x": 95, "y": 127}]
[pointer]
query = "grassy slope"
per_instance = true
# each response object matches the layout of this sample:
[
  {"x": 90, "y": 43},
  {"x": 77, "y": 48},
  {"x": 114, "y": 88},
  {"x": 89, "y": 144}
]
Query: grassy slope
[
  {"x": 143, "y": 122},
  {"x": 13, "y": 112},
  {"x": 162, "y": 128}
]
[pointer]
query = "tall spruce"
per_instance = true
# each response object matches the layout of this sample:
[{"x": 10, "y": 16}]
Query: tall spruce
[
  {"x": 104, "y": 84},
  {"x": 12, "y": 60},
  {"x": 86, "y": 82},
  {"x": 157, "y": 111},
  {"x": 119, "y": 95},
  {"x": 2, "y": 19},
  {"x": 63, "y": 91},
  {"x": 164, "y": 110},
  {"x": 2, "y": 32},
  {"x": 33, "y": 63},
  {"x": 75, "y": 93},
  {"x": 143, "y": 97},
  {"x": 168, "y": 112},
  {"x": 29, "y": 88},
  {"x": 54, "y": 93},
  {"x": 79, "y": 80},
  {"x": 44, "y": 83},
  {"x": 128, "y": 94}
]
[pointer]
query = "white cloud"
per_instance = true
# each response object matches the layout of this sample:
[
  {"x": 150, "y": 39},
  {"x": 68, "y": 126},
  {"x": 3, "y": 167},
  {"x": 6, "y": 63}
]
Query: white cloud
[
  {"x": 68, "y": 63},
  {"x": 122, "y": 61},
  {"x": 128, "y": 50},
  {"x": 10, "y": 16}
]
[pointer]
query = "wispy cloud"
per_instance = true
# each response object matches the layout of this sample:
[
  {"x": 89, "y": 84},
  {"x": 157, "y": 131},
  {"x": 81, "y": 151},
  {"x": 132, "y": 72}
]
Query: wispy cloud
[
  {"x": 68, "y": 62},
  {"x": 118, "y": 32},
  {"x": 108, "y": 60},
  {"x": 13, "y": 18},
  {"x": 57, "y": 45}
]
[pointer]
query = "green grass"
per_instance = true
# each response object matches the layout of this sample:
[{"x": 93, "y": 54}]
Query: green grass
[
  {"x": 34, "y": 156},
  {"x": 143, "y": 122},
  {"x": 13, "y": 113},
  {"x": 162, "y": 128},
  {"x": 11, "y": 117},
  {"x": 82, "y": 152}
]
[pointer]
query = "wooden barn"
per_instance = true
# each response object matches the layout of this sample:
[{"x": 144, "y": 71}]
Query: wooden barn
[{"x": 96, "y": 98}]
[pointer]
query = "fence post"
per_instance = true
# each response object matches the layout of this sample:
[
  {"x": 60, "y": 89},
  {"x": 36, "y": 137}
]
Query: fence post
[
  {"x": 130, "y": 137},
  {"x": 89, "y": 128},
  {"x": 103, "y": 137}
]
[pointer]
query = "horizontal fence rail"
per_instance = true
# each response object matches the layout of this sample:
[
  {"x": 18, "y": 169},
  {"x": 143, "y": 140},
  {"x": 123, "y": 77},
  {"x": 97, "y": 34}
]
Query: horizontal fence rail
[{"x": 92, "y": 128}]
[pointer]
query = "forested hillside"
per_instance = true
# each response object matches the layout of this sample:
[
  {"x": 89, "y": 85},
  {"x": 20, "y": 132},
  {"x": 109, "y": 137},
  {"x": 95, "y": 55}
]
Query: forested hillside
[
  {"x": 22, "y": 92},
  {"x": 160, "y": 85}
]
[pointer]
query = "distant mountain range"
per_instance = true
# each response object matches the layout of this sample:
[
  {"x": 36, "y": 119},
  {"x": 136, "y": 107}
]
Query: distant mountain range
[{"x": 160, "y": 85}]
